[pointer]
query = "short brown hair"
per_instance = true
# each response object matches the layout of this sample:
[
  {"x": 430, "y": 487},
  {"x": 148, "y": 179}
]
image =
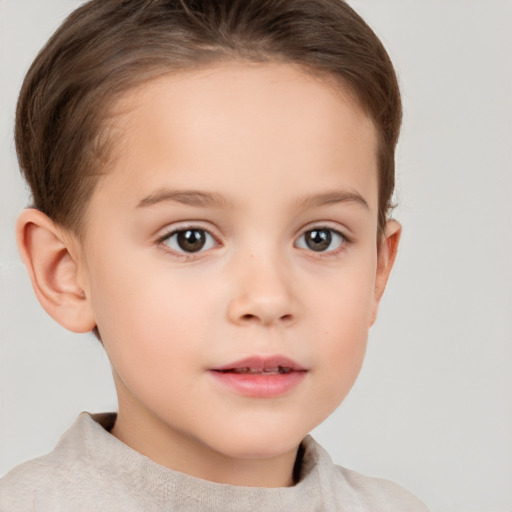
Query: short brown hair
[{"x": 107, "y": 47}]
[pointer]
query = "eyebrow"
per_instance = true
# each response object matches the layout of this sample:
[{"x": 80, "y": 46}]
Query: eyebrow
[
  {"x": 329, "y": 198},
  {"x": 198, "y": 199},
  {"x": 187, "y": 197}
]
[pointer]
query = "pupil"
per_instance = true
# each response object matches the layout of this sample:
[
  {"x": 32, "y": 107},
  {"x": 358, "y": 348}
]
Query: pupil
[
  {"x": 191, "y": 240},
  {"x": 318, "y": 239}
]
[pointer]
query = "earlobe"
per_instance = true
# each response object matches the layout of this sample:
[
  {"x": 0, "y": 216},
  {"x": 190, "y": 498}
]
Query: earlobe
[
  {"x": 53, "y": 269},
  {"x": 386, "y": 255}
]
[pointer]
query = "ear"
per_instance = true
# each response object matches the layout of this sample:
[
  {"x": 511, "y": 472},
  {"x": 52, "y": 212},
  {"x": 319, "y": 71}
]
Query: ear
[
  {"x": 386, "y": 255},
  {"x": 50, "y": 254}
]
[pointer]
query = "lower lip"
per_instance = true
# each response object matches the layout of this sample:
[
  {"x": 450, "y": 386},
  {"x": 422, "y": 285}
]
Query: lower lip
[{"x": 259, "y": 385}]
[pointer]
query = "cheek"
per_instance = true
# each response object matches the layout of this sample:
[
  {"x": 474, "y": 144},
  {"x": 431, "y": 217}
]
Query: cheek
[
  {"x": 149, "y": 315},
  {"x": 150, "y": 337},
  {"x": 344, "y": 301},
  {"x": 341, "y": 352},
  {"x": 340, "y": 324},
  {"x": 343, "y": 346}
]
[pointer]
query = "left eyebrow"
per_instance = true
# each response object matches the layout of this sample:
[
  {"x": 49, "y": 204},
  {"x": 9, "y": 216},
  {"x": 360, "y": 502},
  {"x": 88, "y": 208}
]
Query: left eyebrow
[
  {"x": 195, "y": 198},
  {"x": 329, "y": 198}
]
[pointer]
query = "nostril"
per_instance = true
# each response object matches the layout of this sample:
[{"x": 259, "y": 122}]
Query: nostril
[{"x": 248, "y": 317}]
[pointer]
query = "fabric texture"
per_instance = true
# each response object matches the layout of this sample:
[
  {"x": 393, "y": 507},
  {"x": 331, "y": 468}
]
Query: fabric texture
[{"x": 91, "y": 470}]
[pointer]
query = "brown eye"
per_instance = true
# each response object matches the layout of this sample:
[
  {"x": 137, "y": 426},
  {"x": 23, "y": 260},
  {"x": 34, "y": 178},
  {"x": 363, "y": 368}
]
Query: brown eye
[
  {"x": 190, "y": 240},
  {"x": 321, "y": 240}
]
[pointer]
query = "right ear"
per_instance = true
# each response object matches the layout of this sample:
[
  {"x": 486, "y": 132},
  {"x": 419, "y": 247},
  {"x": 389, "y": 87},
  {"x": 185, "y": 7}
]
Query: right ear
[{"x": 50, "y": 255}]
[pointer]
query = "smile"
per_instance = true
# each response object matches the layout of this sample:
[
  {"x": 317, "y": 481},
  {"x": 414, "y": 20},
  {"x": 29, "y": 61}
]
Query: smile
[{"x": 260, "y": 377}]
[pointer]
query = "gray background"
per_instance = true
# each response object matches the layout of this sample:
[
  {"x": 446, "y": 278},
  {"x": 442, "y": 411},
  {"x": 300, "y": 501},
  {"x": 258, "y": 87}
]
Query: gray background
[{"x": 432, "y": 408}]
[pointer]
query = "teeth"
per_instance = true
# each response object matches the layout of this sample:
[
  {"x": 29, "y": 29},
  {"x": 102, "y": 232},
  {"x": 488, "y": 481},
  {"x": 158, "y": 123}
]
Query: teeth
[{"x": 278, "y": 370}]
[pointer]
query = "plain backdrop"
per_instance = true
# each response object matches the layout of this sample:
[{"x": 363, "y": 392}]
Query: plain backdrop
[{"x": 432, "y": 408}]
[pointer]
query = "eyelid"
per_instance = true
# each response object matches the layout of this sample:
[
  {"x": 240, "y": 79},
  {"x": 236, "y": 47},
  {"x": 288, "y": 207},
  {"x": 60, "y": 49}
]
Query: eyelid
[
  {"x": 173, "y": 227},
  {"x": 334, "y": 226}
]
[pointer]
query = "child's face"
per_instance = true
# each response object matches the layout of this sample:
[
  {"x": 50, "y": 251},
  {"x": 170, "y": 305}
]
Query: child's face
[{"x": 239, "y": 222}]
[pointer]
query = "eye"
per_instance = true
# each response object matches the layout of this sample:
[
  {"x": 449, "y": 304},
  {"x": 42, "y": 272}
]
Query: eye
[
  {"x": 321, "y": 240},
  {"x": 189, "y": 240}
]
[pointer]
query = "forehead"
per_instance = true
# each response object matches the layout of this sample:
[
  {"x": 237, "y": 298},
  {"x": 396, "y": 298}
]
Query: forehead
[{"x": 270, "y": 125}]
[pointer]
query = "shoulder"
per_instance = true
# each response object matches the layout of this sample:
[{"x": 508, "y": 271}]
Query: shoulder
[
  {"x": 29, "y": 483},
  {"x": 55, "y": 480},
  {"x": 359, "y": 493},
  {"x": 377, "y": 493}
]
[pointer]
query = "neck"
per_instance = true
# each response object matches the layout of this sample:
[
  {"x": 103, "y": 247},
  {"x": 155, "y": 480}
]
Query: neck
[{"x": 149, "y": 436}]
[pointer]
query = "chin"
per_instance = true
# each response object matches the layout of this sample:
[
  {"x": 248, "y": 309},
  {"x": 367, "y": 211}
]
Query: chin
[{"x": 260, "y": 441}]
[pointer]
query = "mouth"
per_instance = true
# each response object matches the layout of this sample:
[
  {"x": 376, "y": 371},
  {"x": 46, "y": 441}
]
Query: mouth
[
  {"x": 260, "y": 377},
  {"x": 246, "y": 370},
  {"x": 272, "y": 365}
]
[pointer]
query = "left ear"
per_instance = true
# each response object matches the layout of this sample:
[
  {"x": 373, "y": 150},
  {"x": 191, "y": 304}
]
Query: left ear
[{"x": 386, "y": 254}]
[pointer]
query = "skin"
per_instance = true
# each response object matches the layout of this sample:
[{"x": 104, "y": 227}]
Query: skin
[{"x": 277, "y": 153}]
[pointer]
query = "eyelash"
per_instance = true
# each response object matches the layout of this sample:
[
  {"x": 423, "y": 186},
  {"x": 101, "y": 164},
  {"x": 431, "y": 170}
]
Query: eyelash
[{"x": 180, "y": 253}]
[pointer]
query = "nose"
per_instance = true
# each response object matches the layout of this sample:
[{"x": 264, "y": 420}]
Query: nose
[{"x": 262, "y": 293}]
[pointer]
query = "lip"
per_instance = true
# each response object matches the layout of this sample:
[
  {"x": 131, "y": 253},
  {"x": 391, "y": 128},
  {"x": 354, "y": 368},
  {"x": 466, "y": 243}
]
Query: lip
[{"x": 260, "y": 377}]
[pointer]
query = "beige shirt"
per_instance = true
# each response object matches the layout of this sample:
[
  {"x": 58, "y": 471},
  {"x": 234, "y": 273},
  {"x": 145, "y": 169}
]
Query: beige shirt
[{"x": 91, "y": 470}]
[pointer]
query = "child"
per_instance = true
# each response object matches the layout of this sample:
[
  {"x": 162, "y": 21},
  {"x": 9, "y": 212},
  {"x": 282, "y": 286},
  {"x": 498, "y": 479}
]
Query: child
[{"x": 212, "y": 184}]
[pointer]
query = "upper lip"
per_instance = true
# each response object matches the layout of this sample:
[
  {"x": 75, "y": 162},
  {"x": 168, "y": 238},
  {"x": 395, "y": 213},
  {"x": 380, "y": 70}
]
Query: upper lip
[{"x": 262, "y": 363}]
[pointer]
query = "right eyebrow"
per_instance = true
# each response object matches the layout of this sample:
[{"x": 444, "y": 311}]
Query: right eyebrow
[{"x": 195, "y": 198}]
